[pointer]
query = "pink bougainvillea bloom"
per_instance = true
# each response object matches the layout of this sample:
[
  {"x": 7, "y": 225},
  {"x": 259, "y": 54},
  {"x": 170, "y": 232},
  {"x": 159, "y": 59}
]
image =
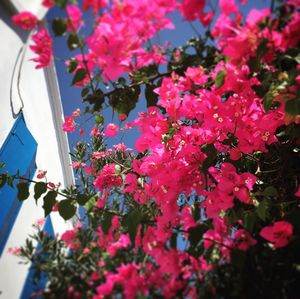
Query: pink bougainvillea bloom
[
  {"x": 190, "y": 9},
  {"x": 244, "y": 240},
  {"x": 86, "y": 251},
  {"x": 76, "y": 112},
  {"x": 111, "y": 130},
  {"x": 298, "y": 192},
  {"x": 228, "y": 7},
  {"x": 41, "y": 174},
  {"x": 121, "y": 147},
  {"x": 279, "y": 233},
  {"x": 107, "y": 178},
  {"x": 39, "y": 222},
  {"x": 69, "y": 237},
  {"x": 51, "y": 186},
  {"x": 75, "y": 17},
  {"x": 48, "y": 3},
  {"x": 94, "y": 131},
  {"x": 14, "y": 250},
  {"x": 25, "y": 20},
  {"x": 123, "y": 242},
  {"x": 69, "y": 124},
  {"x": 81, "y": 132},
  {"x": 235, "y": 154},
  {"x": 55, "y": 207},
  {"x": 43, "y": 47},
  {"x": 95, "y": 4},
  {"x": 122, "y": 116}
]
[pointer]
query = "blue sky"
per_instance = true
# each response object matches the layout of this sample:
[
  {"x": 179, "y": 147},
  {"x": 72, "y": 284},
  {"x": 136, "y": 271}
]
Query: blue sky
[{"x": 71, "y": 97}]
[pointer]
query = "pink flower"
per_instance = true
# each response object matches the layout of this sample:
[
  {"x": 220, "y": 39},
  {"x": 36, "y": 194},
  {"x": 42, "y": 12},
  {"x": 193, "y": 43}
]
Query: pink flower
[
  {"x": 55, "y": 207},
  {"x": 39, "y": 222},
  {"x": 86, "y": 251},
  {"x": 122, "y": 116},
  {"x": 75, "y": 17},
  {"x": 235, "y": 154},
  {"x": 43, "y": 47},
  {"x": 111, "y": 130},
  {"x": 123, "y": 242},
  {"x": 69, "y": 237},
  {"x": 244, "y": 240},
  {"x": 51, "y": 185},
  {"x": 100, "y": 202},
  {"x": 94, "y": 131},
  {"x": 279, "y": 233},
  {"x": 298, "y": 192},
  {"x": 69, "y": 124},
  {"x": 14, "y": 250},
  {"x": 48, "y": 3},
  {"x": 121, "y": 147},
  {"x": 228, "y": 7},
  {"x": 107, "y": 178},
  {"x": 76, "y": 112},
  {"x": 77, "y": 165},
  {"x": 98, "y": 155},
  {"x": 95, "y": 4},
  {"x": 81, "y": 132},
  {"x": 41, "y": 174},
  {"x": 25, "y": 20},
  {"x": 191, "y": 9}
]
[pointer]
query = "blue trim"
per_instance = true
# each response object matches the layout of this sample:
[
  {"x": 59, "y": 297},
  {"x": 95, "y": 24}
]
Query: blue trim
[
  {"x": 29, "y": 286},
  {"x": 18, "y": 152}
]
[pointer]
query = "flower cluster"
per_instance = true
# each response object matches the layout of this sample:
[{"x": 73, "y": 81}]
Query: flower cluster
[
  {"x": 43, "y": 47},
  {"x": 213, "y": 183}
]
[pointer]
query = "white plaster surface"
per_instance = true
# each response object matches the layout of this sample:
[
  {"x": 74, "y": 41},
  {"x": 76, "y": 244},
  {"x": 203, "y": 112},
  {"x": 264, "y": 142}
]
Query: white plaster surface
[{"x": 43, "y": 115}]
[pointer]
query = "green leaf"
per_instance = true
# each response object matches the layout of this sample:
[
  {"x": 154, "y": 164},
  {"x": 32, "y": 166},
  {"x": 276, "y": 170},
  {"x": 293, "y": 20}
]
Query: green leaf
[
  {"x": 2, "y": 164},
  {"x": 150, "y": 95},
  {"x": 211, "y": 155},
  {"x": 132, "y": 221},
  {"x": 106, "y": 224},
  {"x": 3, "y": 179},
  {"x": 270, "y": 191},
  {"x": 85, "y": 91},
  {"x": 49, "y": 202},
  {"x": 66, "y": 209},
  {"x": 249, "y": 221},
  {"x": 23, "y": 191},
  {"x": 122, "y": 81},
  {"x": 79, "y": 76},
  {"x": 61, "y": 3},
  {"x": 196, "y": 233},
  {"x": 39, "y": 189},
  {"x": 262, "y": 210},
  {"x": 99, "y": 119},
  {"x": 220, "y": 78},
  {"x": 268, "y": 101},
  {"x": 124, "y": 100},
  {"x": 196, "y": 212},
  {"x": 292, "y": 107},
  {"x": 73, "y": 41},
  {"x": 10, "y": 181},
  {"x": 254, "y": 64},
  {"x": 173, "y": 240},
  {"x": 59, "y": 26},
  {"x": 82, "y": 199},
  {"x": 72, "y": 65}
]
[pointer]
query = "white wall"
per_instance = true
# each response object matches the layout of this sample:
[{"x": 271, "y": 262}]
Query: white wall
[{"x": 43, "y": 116}]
